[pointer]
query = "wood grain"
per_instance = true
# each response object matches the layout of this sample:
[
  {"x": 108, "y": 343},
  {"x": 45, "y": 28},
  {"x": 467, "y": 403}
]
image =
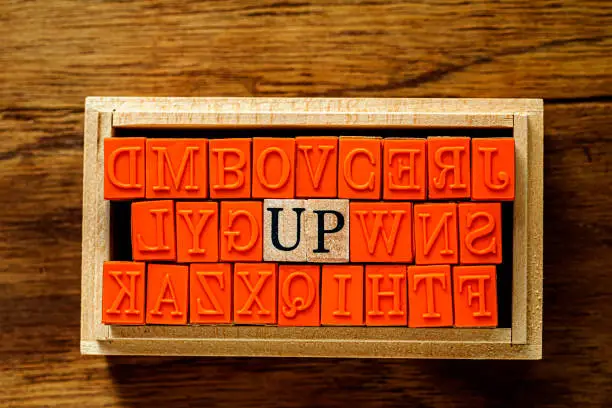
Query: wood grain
[{"x": 55, "y": 53}]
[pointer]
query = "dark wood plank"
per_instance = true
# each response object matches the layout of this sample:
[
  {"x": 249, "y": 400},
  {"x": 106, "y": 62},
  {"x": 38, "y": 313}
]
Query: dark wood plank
[{"x": 54, "y": 53}]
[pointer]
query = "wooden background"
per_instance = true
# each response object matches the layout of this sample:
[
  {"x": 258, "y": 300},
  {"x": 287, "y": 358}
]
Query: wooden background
[{"x": 54, "y": 53}]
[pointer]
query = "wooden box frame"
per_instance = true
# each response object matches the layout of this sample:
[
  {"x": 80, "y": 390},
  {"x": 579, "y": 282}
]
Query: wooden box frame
[{"x": 522, "y": 341}]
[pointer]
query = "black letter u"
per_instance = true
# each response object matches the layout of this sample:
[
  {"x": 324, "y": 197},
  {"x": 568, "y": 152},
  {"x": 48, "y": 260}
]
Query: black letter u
[{"x": 275, "y": 241}]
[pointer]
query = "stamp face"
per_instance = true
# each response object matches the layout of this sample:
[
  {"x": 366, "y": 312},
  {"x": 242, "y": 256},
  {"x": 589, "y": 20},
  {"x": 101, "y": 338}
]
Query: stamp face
[
  {"x": 342, "y": 295},
  {"x": 210, "y": 293},
  {"x": 285, "y": 237},
  {"x": 285, "y": 230}
]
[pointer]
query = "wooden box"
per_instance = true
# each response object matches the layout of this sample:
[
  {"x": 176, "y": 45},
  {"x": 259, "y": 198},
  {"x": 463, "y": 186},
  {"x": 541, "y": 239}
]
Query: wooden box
[{"x": 522, "y": 118}]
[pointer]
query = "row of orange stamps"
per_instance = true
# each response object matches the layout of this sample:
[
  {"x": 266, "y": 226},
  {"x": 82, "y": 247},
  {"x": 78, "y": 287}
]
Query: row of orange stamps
[
  {"x": 300, "y": 294},
  {"x": 356, "y": 168},
  {"x": 318, "y": 231}
]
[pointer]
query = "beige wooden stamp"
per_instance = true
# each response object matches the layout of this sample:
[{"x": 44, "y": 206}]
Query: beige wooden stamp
[
  {"x": 327, "y": 230},
  {"x": 284, "y": 230}
]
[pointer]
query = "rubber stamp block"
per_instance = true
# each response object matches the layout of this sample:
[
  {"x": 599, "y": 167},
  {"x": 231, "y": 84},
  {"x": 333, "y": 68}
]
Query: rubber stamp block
[
  {"x": 167, "y": 294},
  {"x": 241, "y": 231},
  {"x": 327, "y": 230},
  {"x": 273, "y": 167},
  {"x": 404, "y": 169},
  {"x": 124, "y": 168},
  {"x": 435, "y": 233},
  {"x": 317, "y": 165},
  {"x": 359, "y": 168},
  {"x": 153, "y": 231},
  {"x": 197, "y": 231},
  {"x": 385, "y": 295},
  {"x": 342, "y": 295},
  {"x": 255, "y": 293},
  {"x": 381, "y": 232},
  {"x": 298, "y": 295},
  {"x": 230, "y": 168},
  {"x": 480, "y": 233},
  {"x": 430, "y": 296},
  {"x": 475, "y": 296},
  {"x": 177, "y": 168},
  {"x": 448, "y": 166},
  {"x": 493, "y": 169},
  {"x": 210, "y": 293},
  {"x": 284, "y": 225},
  {"x": 123, "y": 293}
]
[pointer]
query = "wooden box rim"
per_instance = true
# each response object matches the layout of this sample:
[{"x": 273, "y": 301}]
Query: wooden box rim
[{"x": 522, "y": 341}]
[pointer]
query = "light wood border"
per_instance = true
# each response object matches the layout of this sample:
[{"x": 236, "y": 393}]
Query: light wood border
[
  {"x": 522, "y": 341},
  {"x": 520, "y": 234}
]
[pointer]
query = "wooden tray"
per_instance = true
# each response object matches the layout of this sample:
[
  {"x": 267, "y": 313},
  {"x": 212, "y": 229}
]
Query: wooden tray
[{"x": 523, "y": 340}]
